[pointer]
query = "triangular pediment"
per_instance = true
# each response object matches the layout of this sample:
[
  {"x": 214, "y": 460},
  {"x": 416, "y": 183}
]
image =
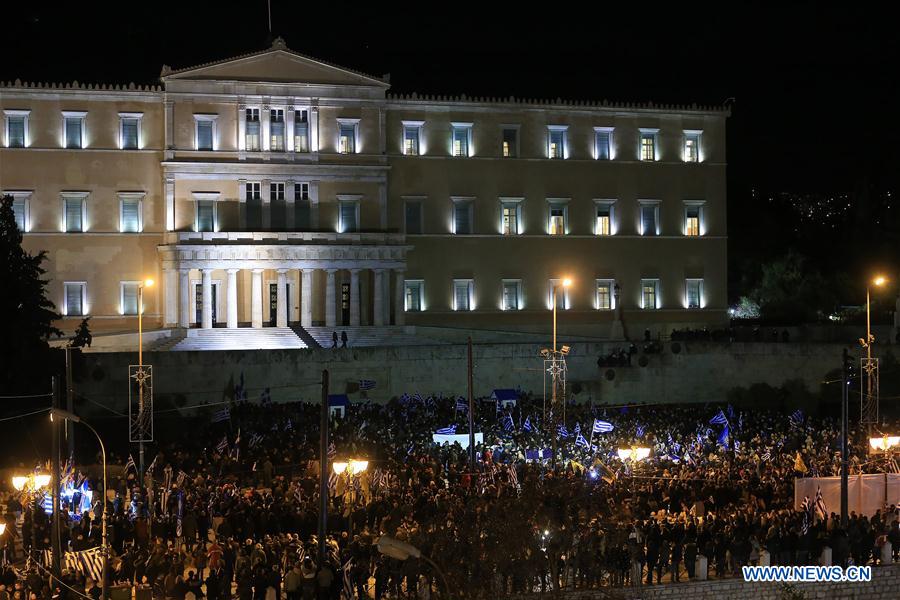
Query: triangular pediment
[{"x": 275, "y": 65}]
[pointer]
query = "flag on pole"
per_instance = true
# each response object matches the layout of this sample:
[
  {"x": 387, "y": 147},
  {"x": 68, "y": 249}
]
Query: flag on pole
[
  {"x": 507, "y": 423},
  {"x": 461, "y": 404},
  {"x": 602, "y": 426},
  {"x": 640, "y": 431},
  {"x": 221, "y": 415},
  {"x": 526, "y": 426},
  {"x": 417, "y": 397},
  {"x": 347, "y": 592},
  {"x": 577, "y": 429},
  {"x": 332, "y": 451},
  {"x": 722, "y": 440},
  {"x": 820, "y": 503},
  {"x": 562, "y": 431},
  {"x": 367, "y": 384},
  {"x": 719, "y": 419},
  {"x": 223, "y": 445},
  {"x": 152, "y": 466},
  {"x": 580, "y": 441},
  {"x": 130, "y": 464},
  {"x": 513, "y": 476},
  {"x": 450, "y": 430},
  {"x": 254, "y": 440},
  {"x": 799, "y": 465},
  {"x": 796, "y": 418}
]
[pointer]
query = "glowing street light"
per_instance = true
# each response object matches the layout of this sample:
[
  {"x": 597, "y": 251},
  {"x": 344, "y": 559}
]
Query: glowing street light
[
  {"x": 635, "y": 453},
  {"x": 884, "y": 443}
]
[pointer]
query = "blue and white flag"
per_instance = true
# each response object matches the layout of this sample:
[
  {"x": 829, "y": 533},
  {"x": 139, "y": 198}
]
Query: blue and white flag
[
  {"x": 221, "y": 415},
  {"x": 526, "y": 426},
  {"x": 254, "y": 440},
  {"x": 451, "y": 430},
  {"x": 562, "y": 431},
  {"x": 580, "y": 441},
  {"x": 367, "y": 384},
  {"x": 223, "y": 445},
  {"x": 417, "y": 397},
  {"x": 723, "y": 437},
  {"x": 820, "y": 503},
  {"x": 577, "y": 429},
  {"x": 507, "y": 423},
  {"x": 602, "y": 426},
  {"x": 640, "y": 431},
  {"x": 461, "y": 404},
  {"x": 719, "y": 419},
  {"x": 404, "y": 398},
  {"x": 332, "y": 451},
  {"x": 796, "y": 419},
  {"x": 130, "y": 464}
]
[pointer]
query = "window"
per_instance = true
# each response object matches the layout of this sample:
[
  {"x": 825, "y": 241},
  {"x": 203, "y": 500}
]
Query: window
[
  {"x": 206, "y": 215},
  {"x": 276, "y": 191},
  {"x": 461, "y": 139},
  {"x": 510, "y": 217},
  {"x": 412, "y": 134},
  {"x": 20, "y": 206},
  {"x": 130, "y": 218},
  {"x": 276, "y": 130},
  {"x": 413, "y": 216},
  {"x": 603, "y": 143},
  {"x": 605, "y": 291},
  {"x": 693, "y": 213},
  {"x": 557, "y": 141},
  {"x": 349, "y": 216},
  {"x": 557, "y": 213},
  {"x": 16, "y": 128},
  {"x": 649, "y": 218},
  {"x": 130, "y": 131},
  {"x": 251, "y": 133},
  {"x": 302, "y": 208},
  {"x": 206, "y": 132},
  {"x": 73, "y": 212},
  {"x": 462, "y": 294},
  {"x": 512, "y": 293},
  {"x": 414, "y": 289},
  {"x": 555, "y": 286},
  {"x": 603, "y": 222},
  {"x": 648, "y": 144},
  {"x": 691, "y": 150},
  {"x": 510, "y": 141},
  {"x": 301, "y": 131},
  {"x": 462, "y": 216},
  {"x": 649, "y": 294},
  {"x": 693, "y": 296},
  {"x": 73, "y": 300},
  {"x": 129, "y": 297},
  {"x": 301, "y": 191},
  {"x": 73, "y": 128},
  {"x": 347, "y": 135}
]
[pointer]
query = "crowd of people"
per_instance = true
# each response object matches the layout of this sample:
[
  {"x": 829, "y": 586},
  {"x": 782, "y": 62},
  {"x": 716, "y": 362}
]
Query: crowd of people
[{"x": 231, "y": 508}]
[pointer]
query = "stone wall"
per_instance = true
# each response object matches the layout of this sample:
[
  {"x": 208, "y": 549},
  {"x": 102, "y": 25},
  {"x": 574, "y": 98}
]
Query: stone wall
[{"x": 700, "y": 372}]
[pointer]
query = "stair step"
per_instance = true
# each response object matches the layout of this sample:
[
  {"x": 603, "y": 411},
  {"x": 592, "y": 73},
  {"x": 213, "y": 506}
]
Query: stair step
[{"x": 245, "y": 338}]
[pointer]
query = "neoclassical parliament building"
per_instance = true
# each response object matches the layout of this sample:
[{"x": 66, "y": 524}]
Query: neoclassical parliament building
[{"x": 277, "y": 190}]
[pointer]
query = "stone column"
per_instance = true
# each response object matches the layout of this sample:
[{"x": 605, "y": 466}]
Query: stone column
[
  {"x": 306, "y": 298},
  {"x": 289, "y": 116},
  {"x": 289, "y": 199},
  {"x": 170, "y": 204},
  {"x": 184, "y": 298},
  {"x": 256, "y": 290},
  {"x": 354, "y": 297},
  {"x": 242, "y": 204},
  {"x": 330, "y": 294},
  {"x": 242, "y": 127},
  {"x": 265, "y": 193},
  {"x": 264, "y": 120},
  {"x": 314, "y": 126},
  {"x": 206, "y": 314},
  {"x": 232, "y": 302},
  {"x": 170, "y": 283},
  {"x": 314, "y": 205},
  {"x": 170, "y": 124},
  {"x": 378, "y": 300},
  {"x": 281, "y": 317},
  {"x": 399, "y": 296}
]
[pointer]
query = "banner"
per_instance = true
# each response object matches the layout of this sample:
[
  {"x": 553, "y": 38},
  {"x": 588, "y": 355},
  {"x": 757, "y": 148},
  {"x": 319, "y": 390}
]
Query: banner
[
  {"x": 865, "y": 493},
  {"x": 461, "y": 439}
]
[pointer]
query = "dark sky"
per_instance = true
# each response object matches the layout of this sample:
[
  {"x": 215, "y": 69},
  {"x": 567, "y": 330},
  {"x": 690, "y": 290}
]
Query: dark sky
[{"x": 814, "y": 86}]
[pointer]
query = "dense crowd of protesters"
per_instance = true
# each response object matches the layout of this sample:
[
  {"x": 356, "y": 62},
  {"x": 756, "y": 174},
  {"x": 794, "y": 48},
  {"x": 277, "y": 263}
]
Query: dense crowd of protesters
[{"x": 230, "y": 509}]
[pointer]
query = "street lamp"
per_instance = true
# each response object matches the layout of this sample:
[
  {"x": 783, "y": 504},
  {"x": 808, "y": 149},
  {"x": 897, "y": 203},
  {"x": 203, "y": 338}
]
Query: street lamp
[
  {"x": 402, "y": 551},
  {"x": 64, "y": 414},
  {"x": 566, "y": 283},
  {"x": 146, "y": 283},
  {"x": 33, "y": 484},
  {"x": 884, "y": 443},
  {"x": 350, "y": 468}
]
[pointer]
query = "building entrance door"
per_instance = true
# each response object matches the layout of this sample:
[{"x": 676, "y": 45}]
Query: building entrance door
[
  {"x": 198, "y": 301},
  {"x": 345, "y": 304},
  {"x": 273, "y": 303}
]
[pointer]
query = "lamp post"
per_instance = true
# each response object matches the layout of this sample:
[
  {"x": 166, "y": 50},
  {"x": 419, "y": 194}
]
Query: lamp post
[
  {"x": 566, "y": 283},
  {"x": 33, "y": 484},
  {"x": 350, "y": 468},
  {"x": 635, "y": 454},
  {"x": 64, "y": 414},
  {"x": 146, "y": 283},
  {"x": 878, "y": 281},
  {"x": 402, "y": 551}
]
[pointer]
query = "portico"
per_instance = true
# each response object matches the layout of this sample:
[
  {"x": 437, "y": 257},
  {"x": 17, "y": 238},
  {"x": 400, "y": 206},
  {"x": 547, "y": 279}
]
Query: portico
[{"x": 347, "y": 277}]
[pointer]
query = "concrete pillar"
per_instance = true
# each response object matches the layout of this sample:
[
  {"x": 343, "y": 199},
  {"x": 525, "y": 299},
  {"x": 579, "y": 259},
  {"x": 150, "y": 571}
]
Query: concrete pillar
[
  {"x": 399, "y": 296},
  {"x": 354, "y": 297},
  {"x": 184, "y": 298},
  {"x": 378, "y": 299},
  {"x": 330, "y": 294},
  {"x": 170, "y": 283},
  {"x": 281, "y": 319},
  {"x": 289, "y": 200},
  {"x": 306, "y": 285},
  {"x": 289, "y": 116},
  {"x": 242, "y": 127},
  {"x": 265, "y": 193},
  {"x": 314, "y": 127},
  {"x": 206, "y": 314},
  {"x": 242, "y": 204},
  {"x": 256, "y": 290},
  {"x": 170, "y": 204},
  {"x": 264, "y": 121},
  {"x": 231, "y": 308}
]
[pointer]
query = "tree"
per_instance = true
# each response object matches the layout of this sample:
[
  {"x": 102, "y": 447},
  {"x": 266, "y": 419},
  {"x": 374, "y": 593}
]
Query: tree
[
  {"x": 83, "y": 335},
  {"x": 790, "y": 290},
  {"x": 26, "y": 312}
]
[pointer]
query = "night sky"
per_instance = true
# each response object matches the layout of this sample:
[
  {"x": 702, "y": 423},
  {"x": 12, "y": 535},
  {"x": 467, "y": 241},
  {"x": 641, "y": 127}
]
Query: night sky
[{"x": 815, "y": 100}]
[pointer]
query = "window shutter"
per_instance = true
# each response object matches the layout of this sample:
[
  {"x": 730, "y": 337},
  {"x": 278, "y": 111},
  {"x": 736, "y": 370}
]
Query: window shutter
[
  {"x": 73, "y": 132},
  {"x": 348, "y": 216},
  {"x": 130, "y": 133},
  {"x": 205, "y": 215},
  {"x": 603, "y": 145},
  {"x": 463, "y": 222},
  {"x": 130, "y": 298},
  {"x": 131, "y": 217},
  {"x": 19, "y": 212},
  {"x": 73, "y": 214},
  {"x": 204, "y": 135},
  {"x": 16, "y": 132},
  {"x": 74, "y": 299},
  {"x": 462, "y": 295}
]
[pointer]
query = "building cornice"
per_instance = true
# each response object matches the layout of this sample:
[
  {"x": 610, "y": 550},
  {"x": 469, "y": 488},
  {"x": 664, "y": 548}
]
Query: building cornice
[
  {"x": 83, "y": 91},
  {"x": 214, "y": 170}
]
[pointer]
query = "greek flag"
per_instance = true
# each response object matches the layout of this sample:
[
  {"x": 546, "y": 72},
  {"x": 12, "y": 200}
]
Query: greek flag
[
  {"x": 507, "y": 423},
  {"x": 580, "y": 441},
  {"x": 451, "y": 430},
  {"x": 526, "y": 426},
  {"x": 367, "y": 384},
  {"x": 461, "y": 404},
  {"x": 767, "y": 456},
  {"x": 577, "y": 429},
  {"x": 513, "y": 476},
  {"x": 417, "y": 397},
  {"x": 223, "y": 445},
  {"x": 640, "y": 431},
  {"x": 723, "y": 437},
  {"x": 221, "y": 415},
  {"x": 796, "y": 419},
  {"x": 130, "y": 464},
  {"x": 180, "y": 510},
  {"x": 404, "y": 398},
  {"x": 152, "y": 466},
  {"x": 602, "y": 426},
  {"x": 820, "y": 503},
  {"x": 254, "y": 440},
  {"x": 806, "y": 507},
  {"x": 347, "y": 591},
  {"x": 332, "y": 451},
  {"x": 87, "y": 562},
  {"x": 719, "y": 419},
  {"x": 562, "y": 431},
  {"x": 179, "y": 481}
]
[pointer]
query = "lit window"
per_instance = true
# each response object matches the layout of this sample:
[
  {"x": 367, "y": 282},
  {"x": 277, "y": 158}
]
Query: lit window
[
  {"x": 510, "y": 217},
  {"x": 557, "y": 141},
  {"x": 73, "y": 129},
  {"x": 413, "y": 216},
  {"x": 252, "y": 136},
  {"x": 510, "y": 142},
  {"x": 347, "y": 134},
  {"x": 557, "y": 216},
  {"x": 276, "y": 130},
  {"x": 130, "y": 213},
  {"x": 253, "y": 190},
  {"x": 512, "y": 294},
  {"x": 603, "y": 143},
  {"x": 73, "y": 213},
  {"x": 301, "y": 131},
  {"x": 605, "y": 294},
  {"x": 649, "y": 293},
  {"x": 129, "y": 300},
  {"x": 130, "y": 131},
  {"x": 462, "y": 139},
  {"x": 206, "y": 215},
  {"x": 692, "y": 218},
  {"x": 73, "y": 300},
  {"x": 462, "y": 294},
  {"x": 557, "y": 293},
  {"x": 349, "y": 216},
  {"x": 16, "y": 128},
  {"x": 276, "y": 191},
  {"x": 462, "y": 217},
  {"x": 412, "y": 133},
  {"x": 649, "y": 218},
  {"x": 648, "y": 144},
  {"x": 302, "y": 208},
  {"x": 19, "y": 208},
  {"x": 603, "y": 218},
  {"x": 693, "y": 293},
  {"x": 414, "y": 289},
  {"x": 206, "y": 131},
  {"x": 691, "y": 146}
]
